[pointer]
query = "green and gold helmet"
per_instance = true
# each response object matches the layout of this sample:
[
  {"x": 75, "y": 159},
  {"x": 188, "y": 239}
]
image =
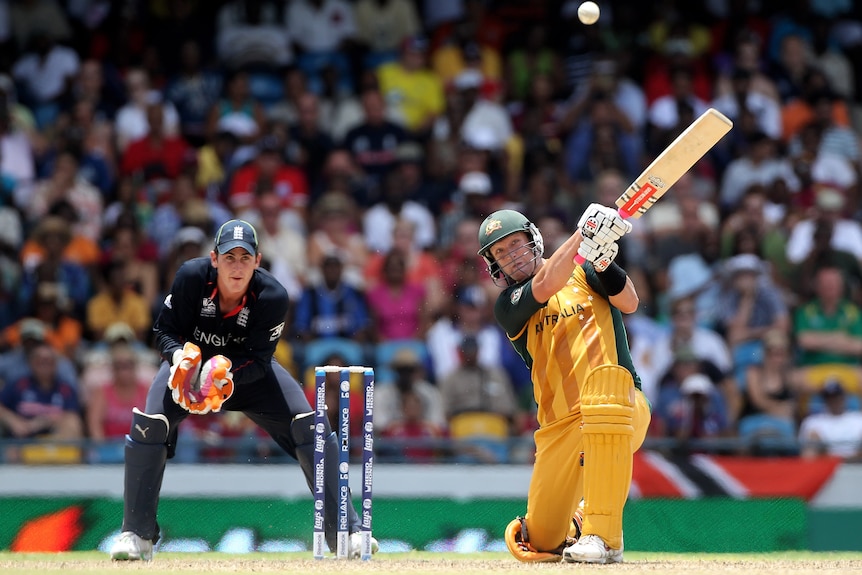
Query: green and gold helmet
[{"x": 504, "y": 223}]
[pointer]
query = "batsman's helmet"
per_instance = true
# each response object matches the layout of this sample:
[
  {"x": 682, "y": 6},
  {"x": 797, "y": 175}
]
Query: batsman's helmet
[{"x": 499, "y": 225}]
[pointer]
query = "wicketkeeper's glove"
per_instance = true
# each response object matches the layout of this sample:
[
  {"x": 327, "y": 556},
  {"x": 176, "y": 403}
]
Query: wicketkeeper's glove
[
  {"x": 601, "y": 256},
  {"x": 603, "y": 224},
  {"x": 186, "y": 365},
  {"x": 215, "y": 385}
]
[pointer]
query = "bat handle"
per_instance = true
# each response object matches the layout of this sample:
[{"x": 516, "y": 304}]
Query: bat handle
[{"x": 623, "y": 214}]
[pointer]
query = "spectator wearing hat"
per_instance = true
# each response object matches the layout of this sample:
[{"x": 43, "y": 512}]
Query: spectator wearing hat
[
  {"x": 749, "y": 304},
  {"x": 469, "y": 315},
  {"x": 409, "y": 377},
  {"x": 697, "y": 412},
  {"x": 413, "y": 91},
  {"x": 19, "y": 339},
  {"x": 57, "y": 231},
  {"x": 267, "y": 172},
  {"x": 96, "y": 360},
  {"x": 117, "y": 301},
  {"x": 331, "y": 307},
  {"x": 40, "y": 403},
  {"x": 835, "y": 432}
]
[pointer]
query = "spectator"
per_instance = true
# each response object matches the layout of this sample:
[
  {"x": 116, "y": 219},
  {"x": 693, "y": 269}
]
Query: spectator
[
  {"x": 380, "y": 220},
  {"x": 109, "y": 406},
  {"x": 472, "y": 201},
  {"x": 470, "y": 316},
  {"x": 158, "y": 154},
  {"x": 131, "y": 121},
  {"x": 313, "y": 144},
  {"x": 128, "y": 244},
  {"x": 750, "y": 304},
  {"x": 40, "y": 404},
  {"x": 237, "y": 112},
  {"x": 323, "y": 32},
  {"x": 116, "y": 301},
  {"x": 413, "y": 92},
  {"x": 486, "y": 125},
  {"x": 829, "y": 207},
  {"x": 269, "y": 172},
  {"x": 66, "y": 184},
  {"x": 281, "y": 235},
  {"x": 398, "y": 306},
  {"x": 32, "y": 17},
  {"x": 374, "y": 142},
  {"x": 333, "y": 392},
  {"x": 331, "y": 307},
  {"x": 410, "y": 379},
  {"x": 19, "y": 339},
  {"x": 743, "y": 98},
  {"x": 422, "y": 266},
  {"x": 828, "y": 328},
  {"x": 251, "y": 33},
  {"x": 835, "y": 432},
  {"x": 382, "y": 26},
  {"x": 413, "y": 427},
  {"x": 694, "y": 411},
  {"x": 45, "y": 73},
  {"x": 473, "y": 387},
  {"x": 51, "y": 259},
  {"x": 769, "y": 402},
  {"x": 335, "y": 231},
  {"x": 670, "y": 113},
  {"x": 823, "y": 254},
  {"x": 532, "y": 59}
]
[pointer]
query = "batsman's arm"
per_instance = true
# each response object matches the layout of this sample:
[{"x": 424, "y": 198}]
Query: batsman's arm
[
  {"x": 558, "y": 268},
  {"x": 627, "y": 301}
]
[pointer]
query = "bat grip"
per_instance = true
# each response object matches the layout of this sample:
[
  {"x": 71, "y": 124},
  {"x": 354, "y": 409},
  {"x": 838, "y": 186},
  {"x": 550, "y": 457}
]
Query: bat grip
[{"x": 623, "y": 214}]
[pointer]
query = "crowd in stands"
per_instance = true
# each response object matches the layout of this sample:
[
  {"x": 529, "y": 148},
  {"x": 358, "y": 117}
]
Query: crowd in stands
[{"x": 366, "y": 140}]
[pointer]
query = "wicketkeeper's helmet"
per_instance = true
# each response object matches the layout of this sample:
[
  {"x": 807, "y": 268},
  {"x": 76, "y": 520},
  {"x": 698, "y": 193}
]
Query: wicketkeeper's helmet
[{"x": 499, "y": 225}]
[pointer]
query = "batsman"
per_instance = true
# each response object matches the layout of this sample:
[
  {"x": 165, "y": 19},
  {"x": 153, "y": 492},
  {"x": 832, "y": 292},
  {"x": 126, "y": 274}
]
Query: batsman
[
  {"x": 217, "y": 332},
  {"x": 565, "y": 321}
]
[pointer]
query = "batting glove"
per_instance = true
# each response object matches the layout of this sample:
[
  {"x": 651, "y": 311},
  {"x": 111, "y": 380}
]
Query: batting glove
[
  {"x": 603, "y": 224},
  {"x": 601, "y": 256},
  {"x": 186, "y": 365},
  {"x": 215, "y": 385}
]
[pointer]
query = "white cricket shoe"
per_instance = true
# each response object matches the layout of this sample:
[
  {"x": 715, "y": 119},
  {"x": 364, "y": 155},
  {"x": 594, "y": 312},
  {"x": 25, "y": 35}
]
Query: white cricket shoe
[
  {"x": 130, "y": 547},
  {"x": 356, "y": 545},
  {"x": 592, "y": 549}
]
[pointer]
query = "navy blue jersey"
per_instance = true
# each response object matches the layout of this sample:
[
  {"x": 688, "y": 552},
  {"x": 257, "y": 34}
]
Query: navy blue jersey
[{"x": 247, "y": 335}]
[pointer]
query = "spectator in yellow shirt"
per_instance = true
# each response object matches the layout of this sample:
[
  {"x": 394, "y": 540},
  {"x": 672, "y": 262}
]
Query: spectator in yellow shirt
[
  {"x": 115, "y": 302},
  {"x": 413, "y": 92}
]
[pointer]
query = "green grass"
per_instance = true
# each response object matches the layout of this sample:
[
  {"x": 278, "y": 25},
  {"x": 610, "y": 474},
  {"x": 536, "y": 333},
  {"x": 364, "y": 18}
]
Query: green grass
[{"x": 96, "y": 563}]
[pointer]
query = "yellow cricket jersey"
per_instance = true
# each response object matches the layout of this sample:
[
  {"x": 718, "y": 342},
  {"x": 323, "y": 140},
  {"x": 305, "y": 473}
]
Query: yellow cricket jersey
[{"x": 562, "y": 340}]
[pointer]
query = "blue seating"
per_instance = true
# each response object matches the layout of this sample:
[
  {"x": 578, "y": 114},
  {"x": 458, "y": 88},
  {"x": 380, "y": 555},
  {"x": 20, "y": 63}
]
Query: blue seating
[{"x": 385, "y": 351}]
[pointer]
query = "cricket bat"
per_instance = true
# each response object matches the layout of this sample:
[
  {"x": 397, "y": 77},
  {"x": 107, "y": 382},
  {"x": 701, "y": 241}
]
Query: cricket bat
[{"x": 674, "y": 161}]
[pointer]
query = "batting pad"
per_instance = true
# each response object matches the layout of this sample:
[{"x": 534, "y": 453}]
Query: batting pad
[{"x": 607, "y": 407}]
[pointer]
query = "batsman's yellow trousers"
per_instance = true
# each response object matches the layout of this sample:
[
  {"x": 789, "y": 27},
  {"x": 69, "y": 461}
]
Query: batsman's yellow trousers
[{"x": 556, "y": 486}]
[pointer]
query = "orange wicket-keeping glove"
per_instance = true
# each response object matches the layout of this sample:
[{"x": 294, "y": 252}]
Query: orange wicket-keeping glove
[
  {"x": 186, "y": 365},
  {"x": 215, "y": 385}
]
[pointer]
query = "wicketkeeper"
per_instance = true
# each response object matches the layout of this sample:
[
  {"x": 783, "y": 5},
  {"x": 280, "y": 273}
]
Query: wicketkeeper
[
  {"x": 566, "y": 323},
  {"x": 217, "y": 331}
]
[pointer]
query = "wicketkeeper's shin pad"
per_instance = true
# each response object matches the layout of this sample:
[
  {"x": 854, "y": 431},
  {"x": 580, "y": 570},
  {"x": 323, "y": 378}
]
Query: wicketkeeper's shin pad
[{"x": 607, "y": 407}]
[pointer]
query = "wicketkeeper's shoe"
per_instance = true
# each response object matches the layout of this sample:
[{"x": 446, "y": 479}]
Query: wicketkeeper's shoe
[
  {"x": 130, "y": 547},
  {"x": 356, "y": 545},
  {"x": 592, "y": 549}
]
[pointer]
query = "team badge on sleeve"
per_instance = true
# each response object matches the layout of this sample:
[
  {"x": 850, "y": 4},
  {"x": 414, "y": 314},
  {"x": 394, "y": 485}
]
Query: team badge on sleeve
[
  {"x": 516, "y": 294},
  {"x": 168, "y": 303},
  {"x": 275, "y": 332}
]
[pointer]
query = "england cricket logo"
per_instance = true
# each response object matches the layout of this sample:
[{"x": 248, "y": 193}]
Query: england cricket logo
[{"x": 237, "y": 232}]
